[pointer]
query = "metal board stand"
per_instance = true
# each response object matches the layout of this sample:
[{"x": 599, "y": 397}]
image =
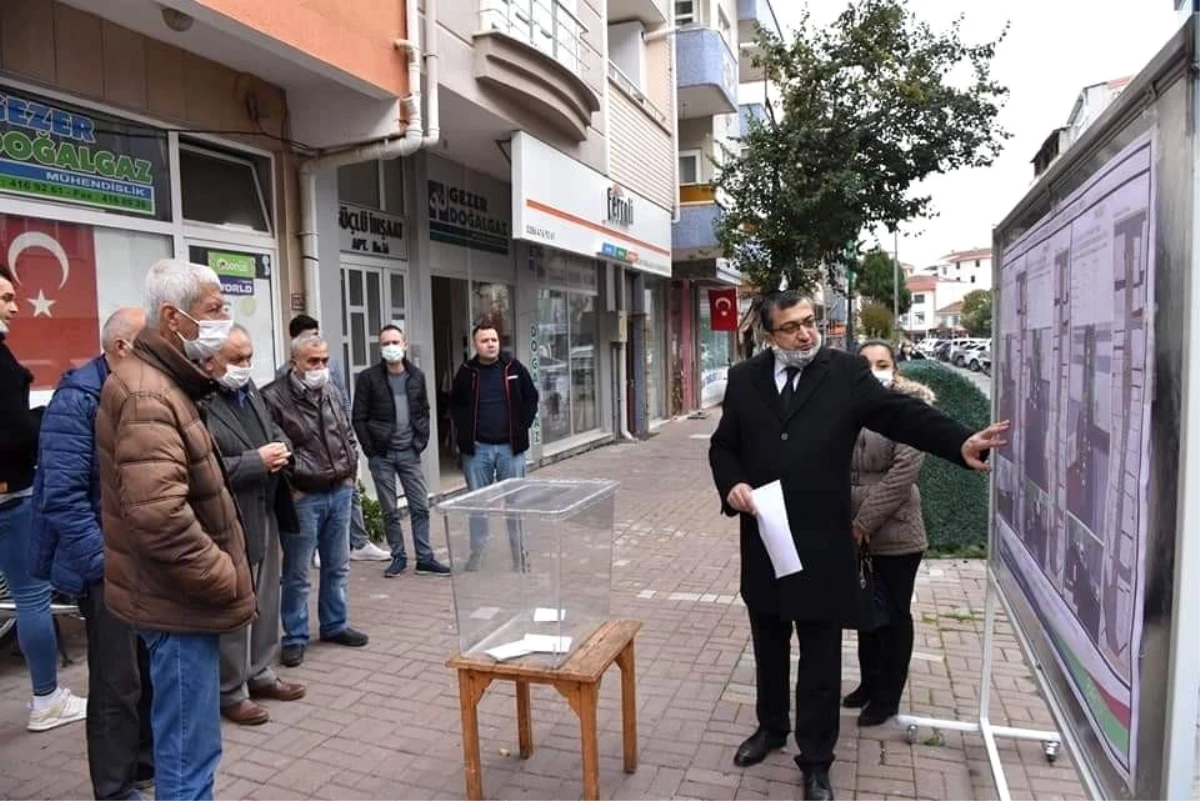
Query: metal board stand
[{"x": 1051, "y": 740}]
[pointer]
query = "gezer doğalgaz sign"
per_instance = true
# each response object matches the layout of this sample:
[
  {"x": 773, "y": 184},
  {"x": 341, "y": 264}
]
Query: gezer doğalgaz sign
[{"x": 51, "y": 151}]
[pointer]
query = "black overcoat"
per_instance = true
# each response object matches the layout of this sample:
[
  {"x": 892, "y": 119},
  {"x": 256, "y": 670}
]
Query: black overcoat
[
  {"x": 809, "y": 450},
  {"x": 265, "y": 504}
]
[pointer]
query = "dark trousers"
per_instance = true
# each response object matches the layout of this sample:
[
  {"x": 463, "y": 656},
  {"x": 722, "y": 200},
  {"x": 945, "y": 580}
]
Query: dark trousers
[
  {"x": 818, "y": 683},
  {"x": 884, "y": 654},
  {"x": 119, "y": 739}
]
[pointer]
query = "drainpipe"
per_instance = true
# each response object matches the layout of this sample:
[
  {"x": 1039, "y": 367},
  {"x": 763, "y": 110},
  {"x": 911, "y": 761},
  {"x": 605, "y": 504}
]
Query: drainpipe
[
  {"x": 668, "y": 33},
  {"x": 406, "y": 143}
]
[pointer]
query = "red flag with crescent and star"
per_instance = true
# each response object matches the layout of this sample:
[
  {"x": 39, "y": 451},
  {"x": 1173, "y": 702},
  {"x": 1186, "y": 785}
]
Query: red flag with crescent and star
[
  {"x": 57, "y": 326},
  {"x": 723, "y": 308}
]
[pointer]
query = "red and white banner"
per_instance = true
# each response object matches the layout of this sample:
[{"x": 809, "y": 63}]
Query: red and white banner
[
  {"x": 58, "y": 322},
  {"x": 723, "y": 309}
]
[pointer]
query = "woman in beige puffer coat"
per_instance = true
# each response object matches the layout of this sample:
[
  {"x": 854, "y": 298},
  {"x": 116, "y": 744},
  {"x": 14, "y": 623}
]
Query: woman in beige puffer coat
[{"x": 886, "y": 505}]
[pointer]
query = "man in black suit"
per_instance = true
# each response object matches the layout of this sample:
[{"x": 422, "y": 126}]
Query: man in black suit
[
  {"x": 792, "y": 414},
  {"x": 255, "y": 453}
]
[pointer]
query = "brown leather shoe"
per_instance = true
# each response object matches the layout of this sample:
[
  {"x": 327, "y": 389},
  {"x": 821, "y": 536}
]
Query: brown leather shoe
[
  {"x": 280, "y": 690},
  {"x": 245, "y": 713}
]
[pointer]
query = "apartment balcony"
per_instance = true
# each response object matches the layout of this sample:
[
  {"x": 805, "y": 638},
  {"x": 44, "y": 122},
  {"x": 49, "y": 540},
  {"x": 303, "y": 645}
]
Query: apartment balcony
[
  {"x": 695, "y": 235},
  {"x": 707, "y": 75},
  {"x": 531, "y": 50},
  {"x": 651, "y": 13},
  {"x": 752, "y": 13}
]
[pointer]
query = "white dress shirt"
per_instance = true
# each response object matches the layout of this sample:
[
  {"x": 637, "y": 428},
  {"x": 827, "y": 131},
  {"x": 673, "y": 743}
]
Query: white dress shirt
[{"x": 781, "y": 376}]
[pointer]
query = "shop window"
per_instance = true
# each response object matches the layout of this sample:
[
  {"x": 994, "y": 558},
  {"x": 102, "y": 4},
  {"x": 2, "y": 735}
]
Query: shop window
[
  {"x": 567, "y": 325},
  {"x": 222, "y": 189}
]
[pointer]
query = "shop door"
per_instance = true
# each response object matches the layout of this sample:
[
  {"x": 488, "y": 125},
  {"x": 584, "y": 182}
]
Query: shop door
[
  {"x": 372, "y": 296},
  {"x": 248, "y": 286}
]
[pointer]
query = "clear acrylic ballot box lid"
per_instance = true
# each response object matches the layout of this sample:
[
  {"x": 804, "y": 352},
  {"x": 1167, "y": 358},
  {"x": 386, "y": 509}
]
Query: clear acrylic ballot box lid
[{"x": 531, "y": 563}]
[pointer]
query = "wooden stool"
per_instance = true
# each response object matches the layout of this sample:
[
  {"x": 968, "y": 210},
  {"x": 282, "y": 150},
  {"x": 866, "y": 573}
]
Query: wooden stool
[{"x": 578, "y": 679}]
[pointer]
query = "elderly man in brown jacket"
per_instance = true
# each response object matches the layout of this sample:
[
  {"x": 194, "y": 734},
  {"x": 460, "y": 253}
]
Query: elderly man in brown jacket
[{"x": 175, "y": 564}]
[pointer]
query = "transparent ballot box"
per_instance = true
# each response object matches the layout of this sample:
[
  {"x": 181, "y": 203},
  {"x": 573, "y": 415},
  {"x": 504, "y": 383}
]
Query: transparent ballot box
[{"x": 532, "y": 566}]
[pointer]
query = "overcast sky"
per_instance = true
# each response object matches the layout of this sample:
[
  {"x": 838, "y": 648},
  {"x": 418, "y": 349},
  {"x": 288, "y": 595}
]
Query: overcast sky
[{"x": 1054, "y": 48}]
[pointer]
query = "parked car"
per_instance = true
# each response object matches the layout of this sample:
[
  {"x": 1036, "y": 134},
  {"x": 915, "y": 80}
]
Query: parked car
[
  {"x": 985, "y": 365},
  {"x": 941, "y": 351},
  {"x": 975, "y": 358},
  {"x": 960, "y": 354}
]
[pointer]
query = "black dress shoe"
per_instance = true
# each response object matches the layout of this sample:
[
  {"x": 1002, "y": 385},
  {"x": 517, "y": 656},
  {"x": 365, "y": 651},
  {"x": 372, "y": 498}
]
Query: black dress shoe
[
  {"x": 348, "y": 637},
  {"x": 857, "y": 699},
  {"x": 816, "y": 785},
  {"x": 757, "y": 746},
  {"x": 292, "y": 655},
  {"x": 875, "y": 715}
]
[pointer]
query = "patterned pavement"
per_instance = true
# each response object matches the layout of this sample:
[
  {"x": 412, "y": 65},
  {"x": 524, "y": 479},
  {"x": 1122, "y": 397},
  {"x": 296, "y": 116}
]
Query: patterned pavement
[{"x": 383, "y": 722}]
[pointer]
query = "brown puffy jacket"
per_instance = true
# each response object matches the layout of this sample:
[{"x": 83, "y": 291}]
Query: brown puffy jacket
[
  {"x": 174, "y": 549},
  {"x": 884, "y": 498}
]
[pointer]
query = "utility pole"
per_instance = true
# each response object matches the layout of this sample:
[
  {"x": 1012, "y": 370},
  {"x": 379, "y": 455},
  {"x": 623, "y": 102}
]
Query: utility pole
[
  {"x": 896, "y": 285},
  {"x": 848, "y": 259}
]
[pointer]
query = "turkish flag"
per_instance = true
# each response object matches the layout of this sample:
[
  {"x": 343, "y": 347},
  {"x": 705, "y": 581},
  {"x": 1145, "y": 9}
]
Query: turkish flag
[
  {"x": 723, "y": 309},
  {"x": 58, "y": 321}
]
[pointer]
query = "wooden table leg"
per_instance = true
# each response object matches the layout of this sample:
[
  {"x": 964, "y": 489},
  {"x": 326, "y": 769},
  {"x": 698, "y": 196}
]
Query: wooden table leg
[
  {"x": 629, "y": 706},
  {"x": 584, "y": 699},
  {"x": 524, "y": 720},
  {"x": 471, "y": 687}
]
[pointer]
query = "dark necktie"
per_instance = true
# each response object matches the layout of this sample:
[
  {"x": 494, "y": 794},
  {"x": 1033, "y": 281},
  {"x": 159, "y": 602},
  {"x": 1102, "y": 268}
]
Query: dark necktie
[{"x": 789, "y": 388}]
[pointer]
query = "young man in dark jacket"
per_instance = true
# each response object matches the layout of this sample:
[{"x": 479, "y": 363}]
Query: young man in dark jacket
[
  {"x": 68, "y": 550},
  {"x": 51, "y": 705},
  {"x": 391, "y": 420},
  {"x": 493, "y": 404},
  {"x": 309, "y": 411}
]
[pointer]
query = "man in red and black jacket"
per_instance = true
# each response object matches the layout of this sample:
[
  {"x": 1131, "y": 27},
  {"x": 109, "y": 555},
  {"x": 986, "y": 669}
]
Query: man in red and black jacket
[{"x": 493, "y": 403}]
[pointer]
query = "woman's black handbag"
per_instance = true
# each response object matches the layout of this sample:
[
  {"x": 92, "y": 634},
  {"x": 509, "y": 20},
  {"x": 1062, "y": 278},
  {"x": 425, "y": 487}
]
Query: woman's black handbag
[{"x": 872, "y": 598}]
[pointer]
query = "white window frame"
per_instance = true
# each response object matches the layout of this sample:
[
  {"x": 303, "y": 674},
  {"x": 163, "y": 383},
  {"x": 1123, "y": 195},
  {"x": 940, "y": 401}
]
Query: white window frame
[
  {"x": 698, "y": 157},
  {"x": 690, "y": 18},
  {"x": 724, "y": 27},
  {"x": 222, "y": 155}
]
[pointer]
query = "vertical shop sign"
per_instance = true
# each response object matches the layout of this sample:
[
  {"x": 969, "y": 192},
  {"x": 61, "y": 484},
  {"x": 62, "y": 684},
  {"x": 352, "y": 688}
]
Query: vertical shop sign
[
  {"x": 58, "y": 326},
  {"x": 535, "y": 371},
  {"x": 54, "y": 151}
]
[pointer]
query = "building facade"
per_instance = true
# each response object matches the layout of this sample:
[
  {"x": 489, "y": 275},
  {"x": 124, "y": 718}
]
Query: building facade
[
  {"x": 140, "y": 130},
  {"x": 714, "y": 42},
  {"x": 431, "y": 165},
  {"x": 543, "y": 205}
]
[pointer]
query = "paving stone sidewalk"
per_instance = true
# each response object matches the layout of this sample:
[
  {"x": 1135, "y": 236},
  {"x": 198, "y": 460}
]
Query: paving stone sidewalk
[{"x": 383, "y": 722}]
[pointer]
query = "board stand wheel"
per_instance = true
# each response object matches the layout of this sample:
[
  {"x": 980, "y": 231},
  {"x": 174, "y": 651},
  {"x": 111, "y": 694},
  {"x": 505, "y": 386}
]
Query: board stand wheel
[
  {"x": 1050, "y": 748},
  {"x": 910, "y": 734}
]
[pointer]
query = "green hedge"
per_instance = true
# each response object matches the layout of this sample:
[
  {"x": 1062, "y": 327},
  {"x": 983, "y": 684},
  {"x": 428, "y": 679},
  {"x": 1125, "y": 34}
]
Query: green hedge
[{"x": 954, "y": 501}]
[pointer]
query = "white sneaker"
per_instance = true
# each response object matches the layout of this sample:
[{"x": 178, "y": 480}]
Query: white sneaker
[
  {"x": 369, "y": 553},
  {"x": 65, "y": 708}
]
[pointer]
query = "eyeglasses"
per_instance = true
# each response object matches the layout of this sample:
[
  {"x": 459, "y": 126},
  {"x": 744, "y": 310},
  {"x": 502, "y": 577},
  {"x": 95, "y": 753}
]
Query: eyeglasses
[{"x": 795, "y": 327}]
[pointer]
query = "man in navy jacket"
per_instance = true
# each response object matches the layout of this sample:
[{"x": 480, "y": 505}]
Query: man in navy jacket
[{"x": 67, "y": 548}]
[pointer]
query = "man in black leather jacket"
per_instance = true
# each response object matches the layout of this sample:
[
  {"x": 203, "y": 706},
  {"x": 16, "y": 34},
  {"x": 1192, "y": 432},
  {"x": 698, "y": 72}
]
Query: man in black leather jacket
[{"x": 308, "y": 409}]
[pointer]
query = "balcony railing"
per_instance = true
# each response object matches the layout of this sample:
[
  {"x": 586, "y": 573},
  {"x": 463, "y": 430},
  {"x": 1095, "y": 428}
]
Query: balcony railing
[
  {"x": 627, "y": 86},
  {"x": 547, "y": 25}
]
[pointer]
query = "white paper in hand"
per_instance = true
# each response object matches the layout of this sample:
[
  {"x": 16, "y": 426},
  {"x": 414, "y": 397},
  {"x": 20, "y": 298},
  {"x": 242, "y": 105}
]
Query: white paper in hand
[{"x": 774, "y": 529}]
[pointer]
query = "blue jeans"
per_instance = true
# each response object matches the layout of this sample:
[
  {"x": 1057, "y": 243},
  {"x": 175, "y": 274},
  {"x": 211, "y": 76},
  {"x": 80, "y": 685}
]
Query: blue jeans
[
  {"x": 324, "y": 526},
  {"x": 488, "y": 465},
  {"x": 185, "y": 712},
  {"x": 405, "y": 466},
  {"x": 35, "y": 626}
]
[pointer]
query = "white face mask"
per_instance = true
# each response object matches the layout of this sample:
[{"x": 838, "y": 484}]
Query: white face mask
[
  {"x": 392, "y": 353},
  {"x": 798, "y": 358},
  {"x": 3, "y": 327},
  {"x": 235, "y": 377},
  {"x": 886, "y": 377},
  {"x": 315, "y": 379},
  {"x": 209, "y": 340}
]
